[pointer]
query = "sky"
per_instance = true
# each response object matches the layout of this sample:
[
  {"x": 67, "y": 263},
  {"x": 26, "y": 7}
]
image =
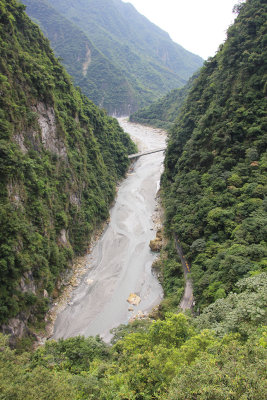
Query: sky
[{"x": 197, "y": 25}]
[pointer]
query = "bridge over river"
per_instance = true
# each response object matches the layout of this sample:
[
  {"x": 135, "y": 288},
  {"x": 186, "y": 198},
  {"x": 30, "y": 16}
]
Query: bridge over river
[{"x": 144, "y": 153}]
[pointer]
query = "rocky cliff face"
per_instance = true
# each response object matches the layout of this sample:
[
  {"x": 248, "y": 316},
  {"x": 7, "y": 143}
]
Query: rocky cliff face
[{"x": 60, "y": 159}]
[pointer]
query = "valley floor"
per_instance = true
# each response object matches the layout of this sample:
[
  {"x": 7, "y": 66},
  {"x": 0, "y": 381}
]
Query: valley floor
[{"x": 120, "y": 262}]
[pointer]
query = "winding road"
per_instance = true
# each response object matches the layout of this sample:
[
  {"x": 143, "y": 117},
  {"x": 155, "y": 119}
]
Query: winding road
[{"x": 187, "y": 301}]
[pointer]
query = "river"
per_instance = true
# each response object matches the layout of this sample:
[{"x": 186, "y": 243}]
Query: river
[{"x": 120, "y": 262}]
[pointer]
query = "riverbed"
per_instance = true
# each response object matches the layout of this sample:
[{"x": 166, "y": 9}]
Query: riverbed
[{"x": 120, "y": 261}]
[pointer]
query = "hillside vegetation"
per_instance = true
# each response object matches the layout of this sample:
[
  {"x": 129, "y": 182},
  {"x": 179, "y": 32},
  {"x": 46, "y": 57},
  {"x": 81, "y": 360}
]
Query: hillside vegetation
[
  {"x": 60, "y": 160},
  {"x": 163, "y": 112},
  {"x": 130, "y": 60},
  {"x": 173, "y": 359},
  {"x": 215, "y": 167},
  {"x": 99, "y": 78}
]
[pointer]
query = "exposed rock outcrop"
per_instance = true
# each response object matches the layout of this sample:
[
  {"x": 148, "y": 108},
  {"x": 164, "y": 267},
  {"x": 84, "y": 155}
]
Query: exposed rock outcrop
[
  {"x": 156, "y": 244},
  {"x": 134, "y": 299},
  {"x": 49, "y": 132},
  {"x": 87, "y": 60}
]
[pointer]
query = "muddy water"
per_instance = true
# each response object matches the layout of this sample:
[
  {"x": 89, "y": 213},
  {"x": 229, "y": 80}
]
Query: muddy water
[{"x": 120, "y": 263}]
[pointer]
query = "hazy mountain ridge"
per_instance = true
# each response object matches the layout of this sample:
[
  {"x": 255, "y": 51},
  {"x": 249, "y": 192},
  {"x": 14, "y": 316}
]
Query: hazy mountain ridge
[
  {"x": 141, "y": 62},
  {"x": 100, "y": 80}
]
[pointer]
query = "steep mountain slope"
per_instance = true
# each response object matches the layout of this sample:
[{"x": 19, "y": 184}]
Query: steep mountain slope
[
  {"x": 98, "y": 77},
  {"x": 163, "y": 112},
  {"x": 215, "y": 168},
  {"x": 144, "y": 54},
  {"x": 60, "y": 160}
]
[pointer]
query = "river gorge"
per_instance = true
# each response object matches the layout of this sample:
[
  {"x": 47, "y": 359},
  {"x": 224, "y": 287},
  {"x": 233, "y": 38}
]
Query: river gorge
[{"x": 120, "y": 262}]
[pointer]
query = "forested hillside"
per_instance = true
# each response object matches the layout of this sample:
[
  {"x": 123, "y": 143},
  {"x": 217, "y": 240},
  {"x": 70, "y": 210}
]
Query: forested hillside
[
  {"x": 102, "y": 81},
  {"x": 163, "y": 112},
  {"x": 130, "y": 60},
  {"x": 215, "y": 166},
  {"x": 60, "y": 160}
]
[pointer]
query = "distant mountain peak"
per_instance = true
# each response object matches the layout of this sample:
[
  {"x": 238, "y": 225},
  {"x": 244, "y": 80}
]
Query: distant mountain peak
[{"x": 133, "y": 61}]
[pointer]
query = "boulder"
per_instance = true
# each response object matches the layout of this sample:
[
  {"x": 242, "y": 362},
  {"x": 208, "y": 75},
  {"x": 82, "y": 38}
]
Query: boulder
[
  {"x": 134, "y": 299},
  {"x": 155, "y": 245}
]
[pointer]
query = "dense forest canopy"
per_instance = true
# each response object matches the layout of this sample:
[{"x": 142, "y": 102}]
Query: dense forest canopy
[
  {"x": 60, "y": 160},
  {"x": 215, "y": 166},
  {"x": 120, "y": 60},
  {"x": 163, "y": 112}
]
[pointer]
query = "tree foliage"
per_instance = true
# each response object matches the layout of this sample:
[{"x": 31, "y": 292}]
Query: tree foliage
[
  {"x": 163, "y": 112},
  {"x": 169, "y": 359},
  {"x": 215, "y": 167}
]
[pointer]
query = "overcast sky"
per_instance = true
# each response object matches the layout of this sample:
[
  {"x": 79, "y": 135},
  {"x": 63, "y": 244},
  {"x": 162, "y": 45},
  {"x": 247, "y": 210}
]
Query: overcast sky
[{"x": 197, "y": 25}]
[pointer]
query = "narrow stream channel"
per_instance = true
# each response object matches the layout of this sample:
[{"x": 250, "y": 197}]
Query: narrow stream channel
[{"x": 120, "y": 262}]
